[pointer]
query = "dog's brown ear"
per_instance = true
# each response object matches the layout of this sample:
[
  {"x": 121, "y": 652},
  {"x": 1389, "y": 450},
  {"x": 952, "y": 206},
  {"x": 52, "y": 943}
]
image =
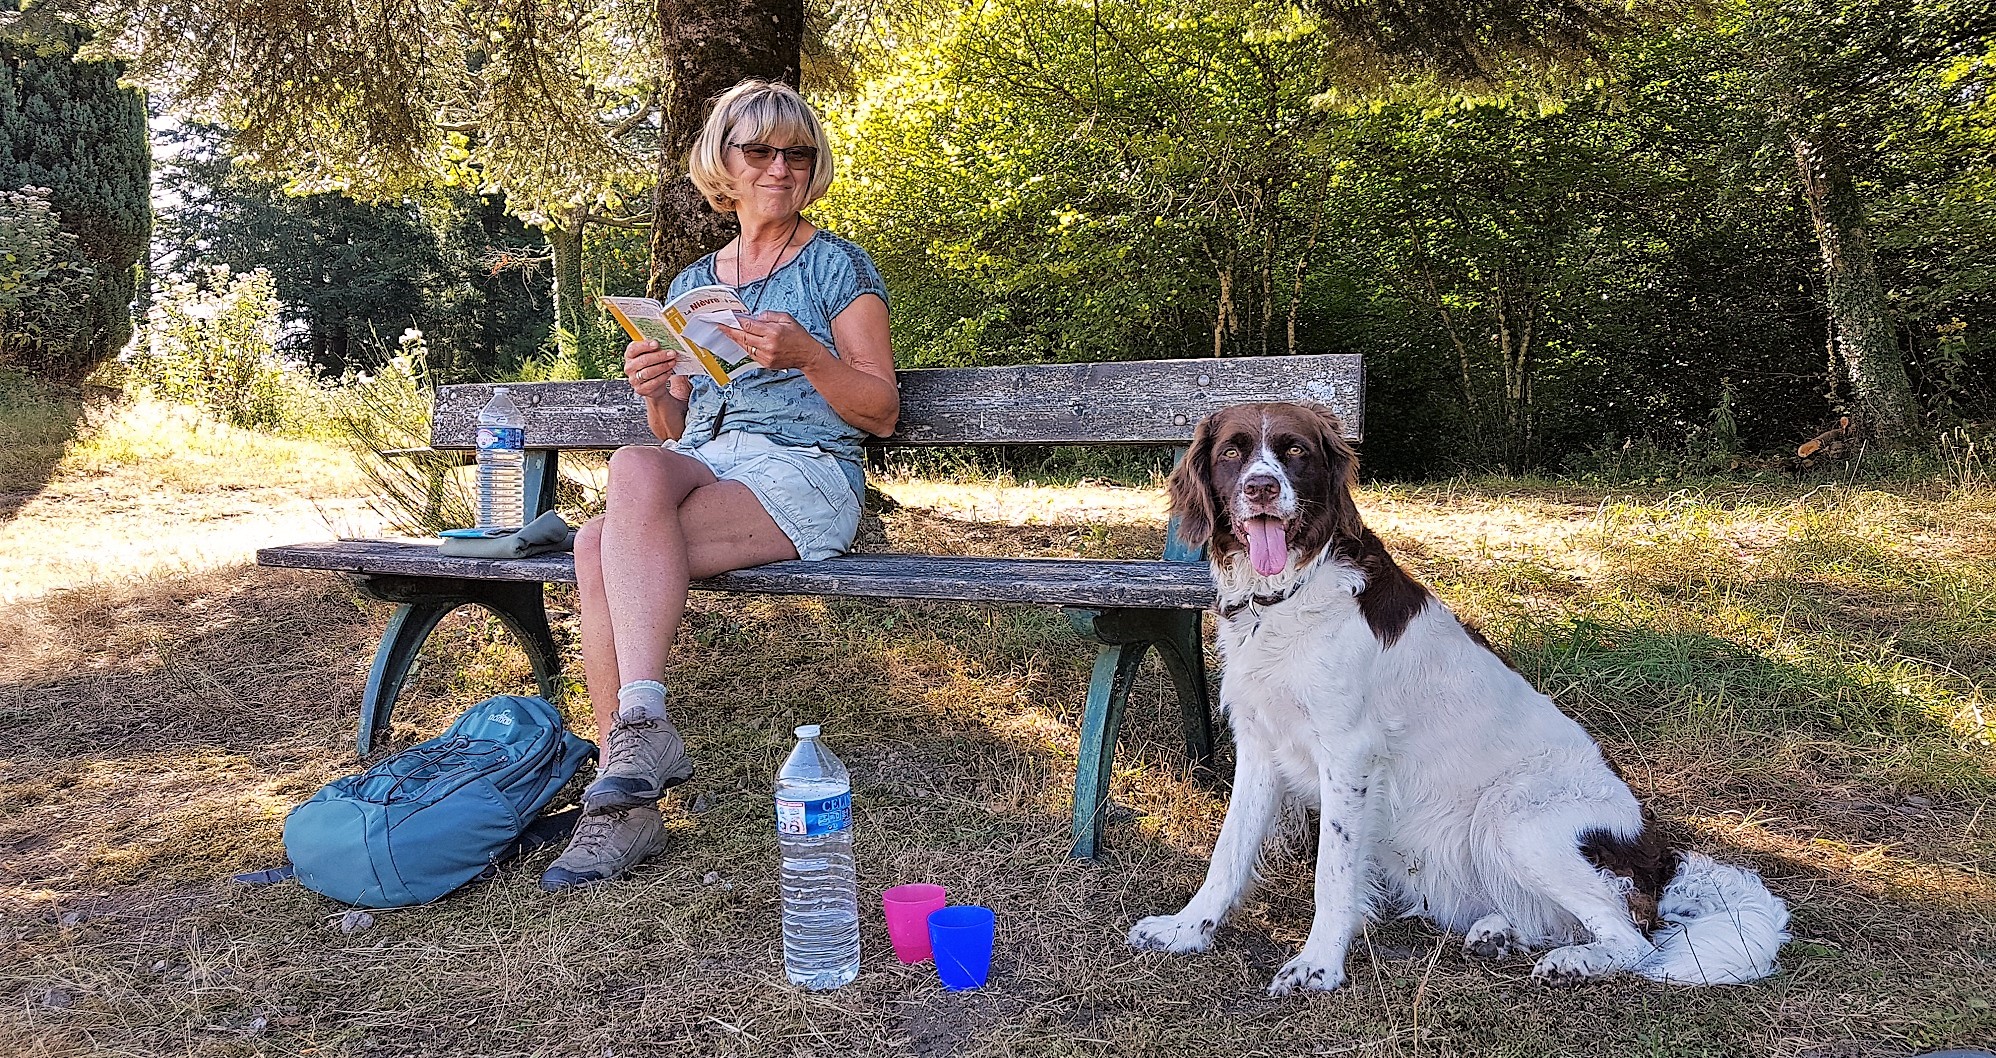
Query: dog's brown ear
[
  {"x": 1190, "y": 488},
  {"x": 1343, "y": 477}
]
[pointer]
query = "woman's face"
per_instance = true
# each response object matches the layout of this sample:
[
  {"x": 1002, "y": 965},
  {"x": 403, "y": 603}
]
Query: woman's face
[{"x": 772, "y": 191}]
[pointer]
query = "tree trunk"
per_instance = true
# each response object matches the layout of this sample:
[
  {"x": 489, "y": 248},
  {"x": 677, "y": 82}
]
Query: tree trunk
[
  {"x": 1862, "y": 333},
  {"x": 571, "y": 311},
  {"x": 1225, "y": 321},
  {"x": 709, "y": 48}
]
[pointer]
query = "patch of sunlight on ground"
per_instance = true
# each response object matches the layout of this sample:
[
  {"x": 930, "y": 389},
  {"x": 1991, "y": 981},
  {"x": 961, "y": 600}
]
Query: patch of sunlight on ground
[
  {"x": 1003, "y": 504},
  {"x": 154, "y": 489}
]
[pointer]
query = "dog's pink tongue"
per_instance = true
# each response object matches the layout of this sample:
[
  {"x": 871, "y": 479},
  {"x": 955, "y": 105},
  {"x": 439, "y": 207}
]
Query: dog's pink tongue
[{"x": 1267, "y": 545}]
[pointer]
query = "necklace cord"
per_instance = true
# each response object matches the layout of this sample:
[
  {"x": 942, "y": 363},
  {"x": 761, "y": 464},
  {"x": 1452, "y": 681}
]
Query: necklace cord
[{"x": 755, "y": 308}]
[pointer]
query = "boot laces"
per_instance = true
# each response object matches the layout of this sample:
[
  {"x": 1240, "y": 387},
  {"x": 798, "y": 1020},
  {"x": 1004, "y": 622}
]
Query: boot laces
[
  {"x": 629, "y": 737},
  {"x": 594, "y": 830}
]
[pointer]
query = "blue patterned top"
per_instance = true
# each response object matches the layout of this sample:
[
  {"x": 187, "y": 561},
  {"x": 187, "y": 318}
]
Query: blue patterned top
[{"x": 817, "y": 285}]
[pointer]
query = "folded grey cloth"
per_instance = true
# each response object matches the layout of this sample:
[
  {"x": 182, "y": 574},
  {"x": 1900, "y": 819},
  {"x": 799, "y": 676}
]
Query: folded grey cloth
[{"x": 538, "y": 537}]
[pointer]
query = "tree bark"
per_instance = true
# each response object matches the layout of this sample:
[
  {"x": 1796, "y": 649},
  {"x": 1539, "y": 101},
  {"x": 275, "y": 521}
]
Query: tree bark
[
  {"x": 1862, "y": 334},
  {"x": 571, "y": 311},
  {"x": 709, "y": 48}
]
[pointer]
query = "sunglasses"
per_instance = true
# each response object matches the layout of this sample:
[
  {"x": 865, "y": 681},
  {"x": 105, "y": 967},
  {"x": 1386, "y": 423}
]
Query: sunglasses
[{"x": 761, "y": 155}]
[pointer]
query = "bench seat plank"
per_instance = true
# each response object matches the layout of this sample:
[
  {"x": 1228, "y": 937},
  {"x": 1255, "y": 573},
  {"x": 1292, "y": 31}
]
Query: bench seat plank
[{"x": 1051, "y": 581}]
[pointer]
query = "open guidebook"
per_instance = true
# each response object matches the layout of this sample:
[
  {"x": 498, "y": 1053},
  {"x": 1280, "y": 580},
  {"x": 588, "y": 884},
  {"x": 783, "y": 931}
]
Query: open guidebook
[{"x": 690, "y": 321}]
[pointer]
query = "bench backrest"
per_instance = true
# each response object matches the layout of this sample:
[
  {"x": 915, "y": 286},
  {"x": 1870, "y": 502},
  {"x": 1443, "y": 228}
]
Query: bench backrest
[{"x": 1144, "y": 401}]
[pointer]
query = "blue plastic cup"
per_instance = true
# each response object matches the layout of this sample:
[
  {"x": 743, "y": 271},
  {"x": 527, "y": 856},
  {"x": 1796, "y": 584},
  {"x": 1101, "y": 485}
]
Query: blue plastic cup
[{"x": 961, "y": 940}]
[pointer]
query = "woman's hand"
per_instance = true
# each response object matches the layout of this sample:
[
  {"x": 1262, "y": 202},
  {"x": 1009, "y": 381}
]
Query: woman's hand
[
  {"x": 650, "y": 370},
  {"x": 777, "y": 341}
]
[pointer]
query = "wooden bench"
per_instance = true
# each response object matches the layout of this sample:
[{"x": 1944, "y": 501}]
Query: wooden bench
[{"x": 1129, "y": 606}]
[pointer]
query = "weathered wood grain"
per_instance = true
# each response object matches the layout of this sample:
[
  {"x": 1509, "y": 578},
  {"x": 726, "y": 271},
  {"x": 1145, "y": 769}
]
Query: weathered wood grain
[
  {"x": 1051, "y": 581},
  {"x": 1148, "y": 401}
]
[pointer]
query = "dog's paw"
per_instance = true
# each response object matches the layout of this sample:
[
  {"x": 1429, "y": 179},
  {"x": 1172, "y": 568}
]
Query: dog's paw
[
  {"x": 1177, "y": 934},
  {"x": 1492, "y": 938},
  {"x": 1306, "y": 973},
  {"x": 1578, "y": 962}
]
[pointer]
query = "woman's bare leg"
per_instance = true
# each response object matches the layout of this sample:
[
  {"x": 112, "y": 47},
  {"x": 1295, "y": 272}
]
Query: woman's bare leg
[
  {"x": 701, "y": 527},
  {"x": 668, "y": 521},
  {"x": 599, "y": 643},
  {"x": 665, "y": 510}
]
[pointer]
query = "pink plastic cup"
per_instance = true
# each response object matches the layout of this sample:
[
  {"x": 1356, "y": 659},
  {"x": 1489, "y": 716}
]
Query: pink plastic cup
[{"x": 907, "y": 908}]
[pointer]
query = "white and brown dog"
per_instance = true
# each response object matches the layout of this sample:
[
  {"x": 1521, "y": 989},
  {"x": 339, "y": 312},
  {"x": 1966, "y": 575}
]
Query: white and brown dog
[{"x": 1446, "y": 786}]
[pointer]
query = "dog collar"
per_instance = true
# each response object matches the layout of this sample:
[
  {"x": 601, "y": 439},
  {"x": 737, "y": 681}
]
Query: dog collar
[{"x": 1229, "y": 610}]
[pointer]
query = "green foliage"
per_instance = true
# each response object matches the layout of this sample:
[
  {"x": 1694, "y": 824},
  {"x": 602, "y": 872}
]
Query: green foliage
[
  {"x": 349, "y": 272},
  {"x": 46, "y": 286},
  {"x": 1064, "y": 182},
  {"x": 211, "y": 344},
  {"x": 68, "y": 127},
  {"x": 388, "y": 411},
  {"x": 1525, "y": 271}
]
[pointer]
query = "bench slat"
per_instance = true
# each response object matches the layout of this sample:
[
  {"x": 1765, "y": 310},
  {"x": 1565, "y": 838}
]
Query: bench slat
[
  {"x": 1144, "y": 401},
  {"x": 1050, "y": 581}
]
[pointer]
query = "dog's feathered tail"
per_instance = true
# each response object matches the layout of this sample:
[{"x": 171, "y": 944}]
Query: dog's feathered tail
[{"x": 1717, "y": 925}]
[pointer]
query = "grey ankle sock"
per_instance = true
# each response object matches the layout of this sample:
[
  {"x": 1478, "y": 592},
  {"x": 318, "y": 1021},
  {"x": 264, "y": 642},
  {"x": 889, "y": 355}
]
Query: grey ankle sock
[{"x": 641, "y": 700}]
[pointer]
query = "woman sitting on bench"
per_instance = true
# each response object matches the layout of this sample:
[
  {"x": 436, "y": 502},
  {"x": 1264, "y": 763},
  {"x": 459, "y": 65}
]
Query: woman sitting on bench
[{"x": 764, "y": 470}]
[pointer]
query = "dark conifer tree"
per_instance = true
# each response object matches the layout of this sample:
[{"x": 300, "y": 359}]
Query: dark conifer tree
[{"x": 71, "y": 128}]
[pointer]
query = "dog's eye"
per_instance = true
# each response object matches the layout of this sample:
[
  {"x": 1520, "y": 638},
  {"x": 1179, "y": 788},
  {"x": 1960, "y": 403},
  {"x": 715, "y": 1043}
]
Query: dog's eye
[
  {"x": 1230, "y": 452},
  {"x": 1297, "y": 450}
]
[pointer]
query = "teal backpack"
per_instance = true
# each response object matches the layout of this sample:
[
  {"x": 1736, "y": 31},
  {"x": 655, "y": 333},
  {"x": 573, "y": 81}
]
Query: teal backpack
[{"x": 438, "y": 814}]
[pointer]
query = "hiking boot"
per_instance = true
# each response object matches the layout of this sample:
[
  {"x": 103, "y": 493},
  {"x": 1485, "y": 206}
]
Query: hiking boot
[
  {"x": 604, "y": 846},
  {"x": 642, "y": 760}
]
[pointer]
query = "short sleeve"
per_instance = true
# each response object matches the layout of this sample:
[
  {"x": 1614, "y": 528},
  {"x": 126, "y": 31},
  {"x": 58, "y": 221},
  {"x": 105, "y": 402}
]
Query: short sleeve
[{"x": 842, "y": 274}]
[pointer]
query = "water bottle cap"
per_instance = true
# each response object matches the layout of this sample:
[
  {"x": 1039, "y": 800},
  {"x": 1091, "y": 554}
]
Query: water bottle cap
[
  {"x": 808, "y": 731},
  {"x": 496, "y": 390}
]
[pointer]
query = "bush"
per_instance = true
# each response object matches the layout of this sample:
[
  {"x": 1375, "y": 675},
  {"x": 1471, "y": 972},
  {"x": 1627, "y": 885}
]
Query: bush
[
  {"x": 389, "y": 411},
  {"x": 46, "y": 286},
  {"x": 211, "y": 343}
]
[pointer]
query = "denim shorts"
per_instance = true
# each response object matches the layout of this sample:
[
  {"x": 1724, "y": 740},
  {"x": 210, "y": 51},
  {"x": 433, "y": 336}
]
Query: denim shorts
[{"x": 803, "y": 489}]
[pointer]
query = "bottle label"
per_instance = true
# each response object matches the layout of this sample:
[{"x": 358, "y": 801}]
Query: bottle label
[
  {"x": 811, "y": 818},
  {"x": 501, "y": 438}
]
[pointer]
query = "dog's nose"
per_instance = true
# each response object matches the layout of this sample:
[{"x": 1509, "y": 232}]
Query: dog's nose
[{"x": 1261, "y": 488}]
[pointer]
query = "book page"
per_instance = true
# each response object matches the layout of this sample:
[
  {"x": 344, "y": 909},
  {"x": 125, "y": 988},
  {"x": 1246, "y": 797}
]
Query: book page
[
  {"x": 697, "y": 315},
  {"x": 692, "y": 322},
  {"x": 641, "y": 318}
]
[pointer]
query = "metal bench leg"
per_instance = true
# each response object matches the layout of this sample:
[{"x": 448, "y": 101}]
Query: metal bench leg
[
  {"x": 1108, "y": 692},
  {"x": 520, "y": 606},
  {"x": 403, "y": 640},
  {"x": 1126, "y": 634},
  {"x": 1184, "y": 656}
]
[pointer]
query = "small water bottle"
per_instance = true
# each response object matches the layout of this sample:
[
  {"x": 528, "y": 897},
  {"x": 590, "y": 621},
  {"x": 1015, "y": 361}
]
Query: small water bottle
[
  {"x": 502, "y": 457},
  {"x": 820, "y": 893}
]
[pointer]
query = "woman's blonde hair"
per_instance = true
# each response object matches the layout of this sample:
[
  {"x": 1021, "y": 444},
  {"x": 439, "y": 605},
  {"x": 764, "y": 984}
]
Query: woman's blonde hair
[{"x": 756, "y": 112}]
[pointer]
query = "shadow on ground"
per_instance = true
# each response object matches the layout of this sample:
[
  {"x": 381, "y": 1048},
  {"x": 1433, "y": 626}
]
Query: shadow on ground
[
  {"x": 153, "y": 740},
  {"x": 35, "y": 432}
]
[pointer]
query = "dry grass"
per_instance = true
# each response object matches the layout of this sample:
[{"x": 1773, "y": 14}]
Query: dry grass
[
  {"x": 1791, "y": 680},
  {"x": 132, "y": 490}
]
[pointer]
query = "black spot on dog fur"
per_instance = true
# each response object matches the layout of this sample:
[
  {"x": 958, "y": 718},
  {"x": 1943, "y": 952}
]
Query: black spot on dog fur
[
  {"x": 1392, "y": 596},
  {"x": 1646, "y": 859}
]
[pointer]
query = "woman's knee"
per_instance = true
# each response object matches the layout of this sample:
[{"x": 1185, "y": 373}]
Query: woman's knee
[
  {"x": 648, "y": 475},
  {"x": 589, "y": 550},
  {"x": 589, "y": 541}
]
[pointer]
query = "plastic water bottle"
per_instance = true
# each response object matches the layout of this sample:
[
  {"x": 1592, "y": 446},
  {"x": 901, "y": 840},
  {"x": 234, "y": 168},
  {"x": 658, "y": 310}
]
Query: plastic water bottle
[
  {"x": 502, "y": 457},
  {"x": 820, "y": 893}
]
